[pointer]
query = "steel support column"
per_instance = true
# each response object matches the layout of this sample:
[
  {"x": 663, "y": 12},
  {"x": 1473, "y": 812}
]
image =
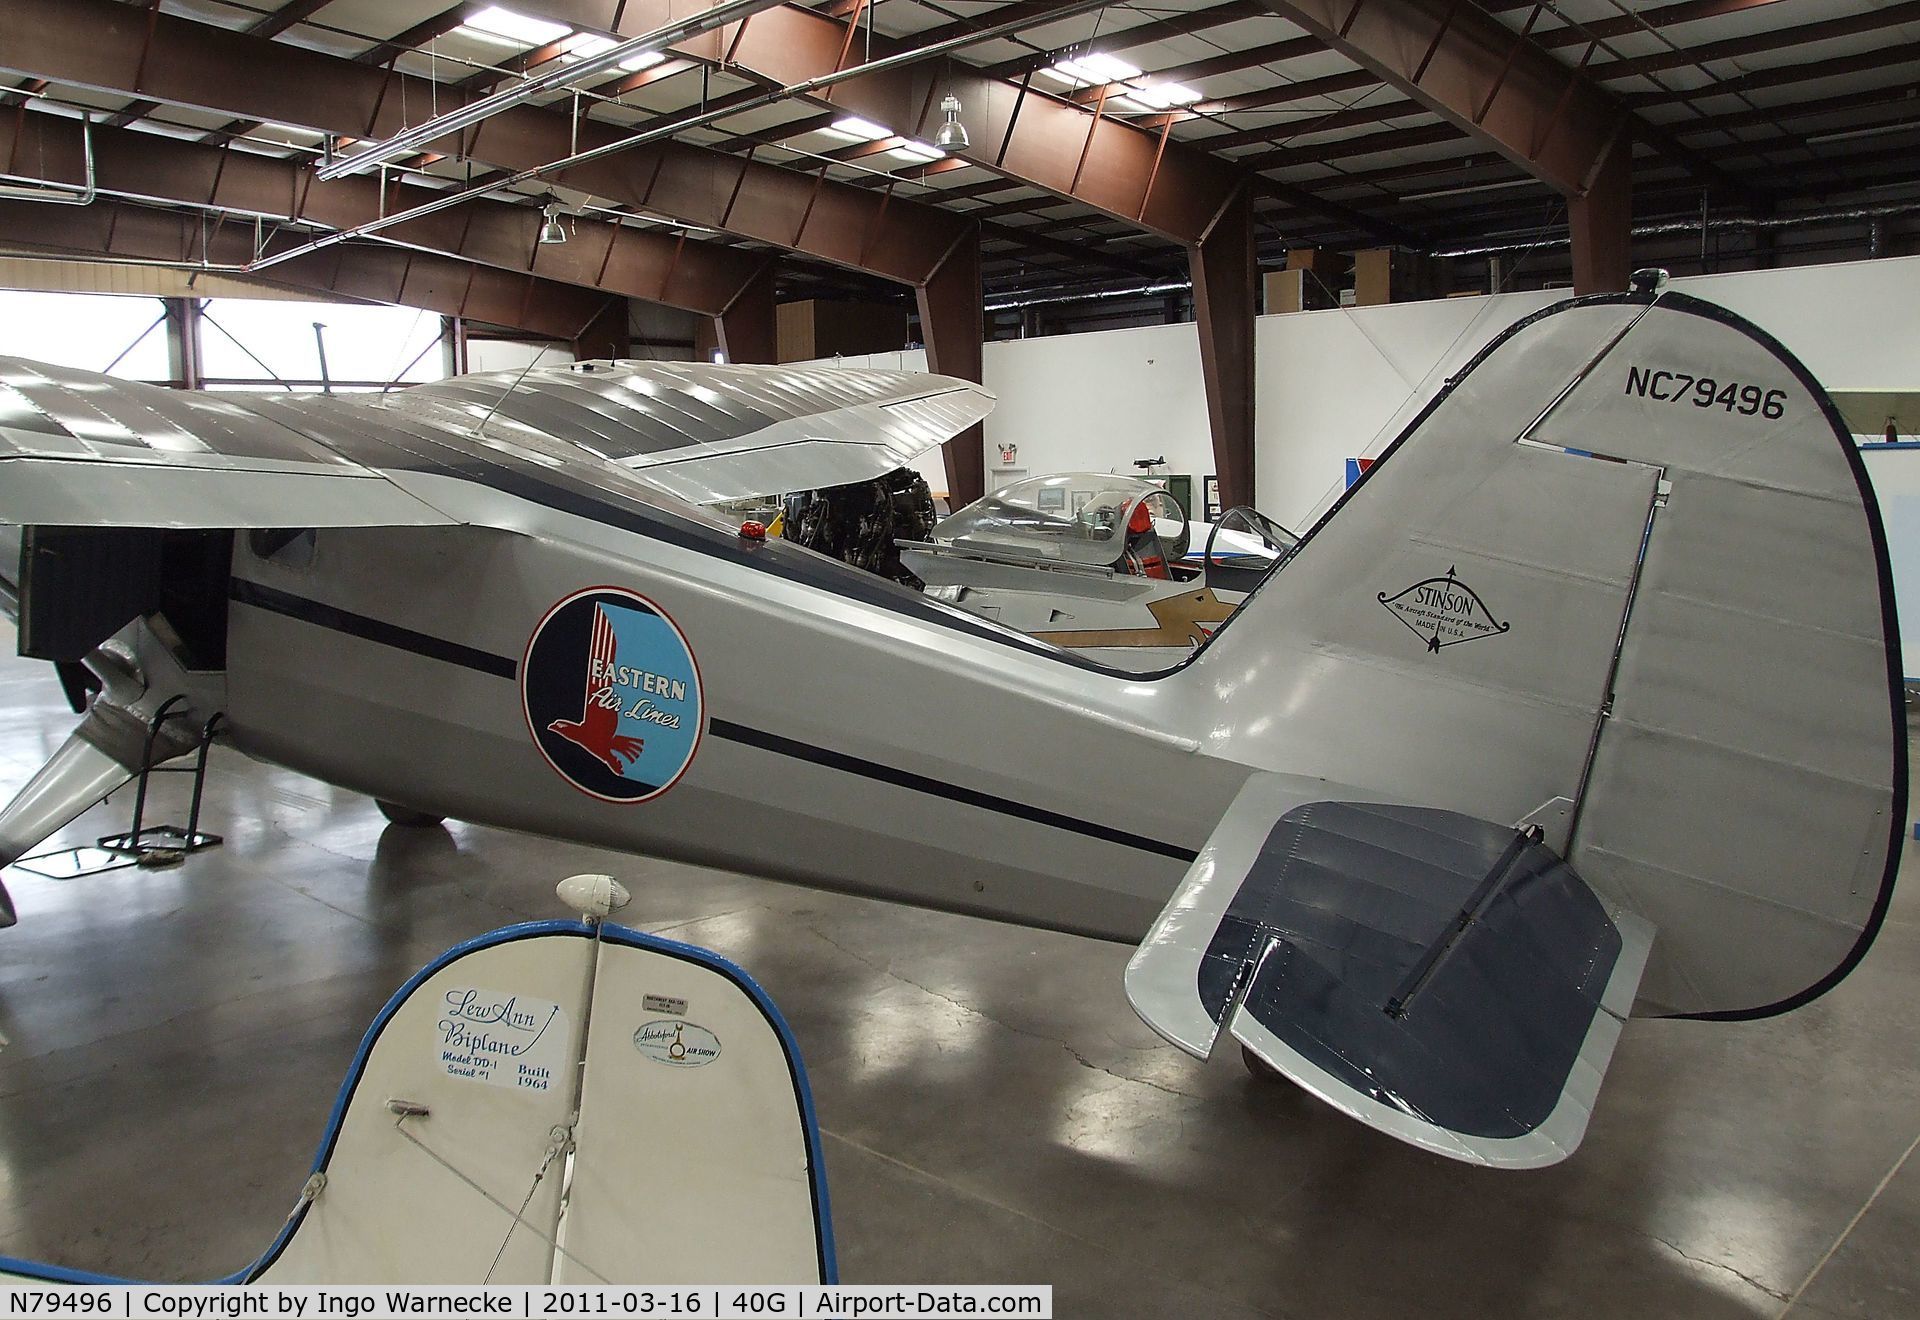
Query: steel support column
[
  {"x": 607, "y": 335},
  {"x": 184, "y": 362},
  {"x": 453, "y": 345},
  {"x": 953, "y": 325},
  {"x": 1223, "y": 308},
  {"x": 1600, "y": 222},
  {"x": 745, "y": 329}
]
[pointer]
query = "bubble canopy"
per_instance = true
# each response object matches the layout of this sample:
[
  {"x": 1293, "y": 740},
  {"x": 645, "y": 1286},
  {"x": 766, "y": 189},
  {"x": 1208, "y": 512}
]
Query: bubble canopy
[{"x": 1078, "y": 518}]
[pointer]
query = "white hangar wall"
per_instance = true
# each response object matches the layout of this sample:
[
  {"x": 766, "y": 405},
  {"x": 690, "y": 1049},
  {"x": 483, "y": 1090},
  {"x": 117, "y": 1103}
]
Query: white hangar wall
[{"x": 1338, "y": 384}]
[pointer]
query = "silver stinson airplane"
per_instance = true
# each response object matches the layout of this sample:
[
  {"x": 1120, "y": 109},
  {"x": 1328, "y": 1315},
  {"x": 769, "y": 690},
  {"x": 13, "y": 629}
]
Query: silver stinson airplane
[
  {"x": 1583, "y": 701},
  {"x": 1106, "y": 565}
]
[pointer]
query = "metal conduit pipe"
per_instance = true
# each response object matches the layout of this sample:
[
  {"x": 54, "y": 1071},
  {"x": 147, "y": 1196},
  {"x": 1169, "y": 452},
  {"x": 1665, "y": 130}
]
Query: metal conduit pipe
[
  {"x": 1873, "y": 215},
  {"x": 1710, "y": 224},
  {"x": 1092, "y": 295},
  {"x": 56, "y": 194},
  {"x": 95, "y": 259}
]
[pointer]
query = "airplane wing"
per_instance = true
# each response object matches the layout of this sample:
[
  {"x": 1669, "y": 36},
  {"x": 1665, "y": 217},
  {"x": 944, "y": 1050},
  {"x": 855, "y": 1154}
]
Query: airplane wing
[
  {"x": 1450, "y": 981},
  {"x": 82, "y": 450},
  {"x": 1871, "y": 412},
  {"x": 709, "y": 432}
]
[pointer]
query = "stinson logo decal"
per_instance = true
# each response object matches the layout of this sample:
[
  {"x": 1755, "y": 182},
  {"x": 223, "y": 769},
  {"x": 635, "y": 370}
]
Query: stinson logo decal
[
  {"x": 1443, "y": 611},
  {"x": 612, "y": 695}
]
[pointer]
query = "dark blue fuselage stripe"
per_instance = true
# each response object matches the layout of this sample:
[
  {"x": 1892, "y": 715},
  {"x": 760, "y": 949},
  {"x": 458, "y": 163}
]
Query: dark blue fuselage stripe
[
  {"x": 373, "y": 630},
  {"x": 437, "y": 648},
  {"x": 886, "y": 774}
]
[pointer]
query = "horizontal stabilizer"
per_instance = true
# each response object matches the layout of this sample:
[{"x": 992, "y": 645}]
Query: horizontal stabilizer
[{"x": 1449, "y": 981}]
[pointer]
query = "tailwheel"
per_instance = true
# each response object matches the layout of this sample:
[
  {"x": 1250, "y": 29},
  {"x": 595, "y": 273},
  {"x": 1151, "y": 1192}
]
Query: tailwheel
[
  {"x": 1258, "y": 1068},
  {"x": 407, "y": 816}
]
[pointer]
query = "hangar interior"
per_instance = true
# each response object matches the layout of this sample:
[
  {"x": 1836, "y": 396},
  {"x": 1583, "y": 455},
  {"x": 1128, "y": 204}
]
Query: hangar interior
[{"x": 1234, "y": 244}]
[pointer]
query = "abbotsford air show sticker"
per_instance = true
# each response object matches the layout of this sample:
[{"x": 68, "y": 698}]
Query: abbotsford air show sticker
[
  {"x": 1443, "y": 611},
  {"x": 681, "y": 1044},
  {"x": 612, "y": 695}
]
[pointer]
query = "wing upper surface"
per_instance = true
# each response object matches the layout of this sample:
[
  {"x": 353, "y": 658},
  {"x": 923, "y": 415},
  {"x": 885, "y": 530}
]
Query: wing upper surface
[
  {"x": 79, "y": 449},
  {"x": 708, "y": 432}
]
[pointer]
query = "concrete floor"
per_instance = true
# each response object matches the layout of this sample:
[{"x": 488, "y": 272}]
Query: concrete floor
[{"x": 993, "y": 1111}]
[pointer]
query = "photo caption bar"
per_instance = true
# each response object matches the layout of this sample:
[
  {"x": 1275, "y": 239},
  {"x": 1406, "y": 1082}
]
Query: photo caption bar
[{"x": 531, "y": 1302}]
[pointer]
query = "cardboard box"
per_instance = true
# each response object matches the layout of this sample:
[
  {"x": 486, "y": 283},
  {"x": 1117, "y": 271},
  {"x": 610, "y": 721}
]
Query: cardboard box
[
  {"x": 815, "y": 328},
  {"x": 1298, "y": 291},
  {"x": 1388, "y": 275}
]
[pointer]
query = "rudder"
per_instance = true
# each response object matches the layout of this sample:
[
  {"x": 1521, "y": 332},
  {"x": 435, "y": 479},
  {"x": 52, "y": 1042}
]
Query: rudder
[{"x": 1629, "y": 558}]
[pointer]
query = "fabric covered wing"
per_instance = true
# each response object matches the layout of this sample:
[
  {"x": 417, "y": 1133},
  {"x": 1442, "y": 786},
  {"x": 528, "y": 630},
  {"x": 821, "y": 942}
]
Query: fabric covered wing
[
  {"x": 708, "y": 432},
  {"x": 80, "y": 450},
  {"x": 1449, "y": 981}
]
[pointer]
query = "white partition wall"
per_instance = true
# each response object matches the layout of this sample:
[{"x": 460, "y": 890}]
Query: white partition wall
[
  {"x": 1336, "y": 384},
  {"x": 1895, "y": 472}
]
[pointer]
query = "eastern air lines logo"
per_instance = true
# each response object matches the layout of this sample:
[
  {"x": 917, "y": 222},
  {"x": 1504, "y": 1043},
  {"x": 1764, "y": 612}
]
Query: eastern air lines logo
[{"x": 612, "y": 695}]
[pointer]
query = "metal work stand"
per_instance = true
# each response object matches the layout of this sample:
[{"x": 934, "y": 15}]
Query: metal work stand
[{"x": 143, "y": 844}]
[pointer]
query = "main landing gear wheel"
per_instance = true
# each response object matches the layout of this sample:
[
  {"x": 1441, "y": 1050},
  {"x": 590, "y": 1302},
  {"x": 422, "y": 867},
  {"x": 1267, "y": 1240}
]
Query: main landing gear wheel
[
  {"x": 1258, "y": 1068},
  {"x": 407, "y": 816}
]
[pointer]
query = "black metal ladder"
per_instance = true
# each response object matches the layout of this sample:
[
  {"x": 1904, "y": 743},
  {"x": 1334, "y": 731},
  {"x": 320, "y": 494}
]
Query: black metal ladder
[{"x": 166, "y": 845}]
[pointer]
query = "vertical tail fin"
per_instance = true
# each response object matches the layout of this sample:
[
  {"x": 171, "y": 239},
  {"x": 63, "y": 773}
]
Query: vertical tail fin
[{"x": 1628, "y": 557}]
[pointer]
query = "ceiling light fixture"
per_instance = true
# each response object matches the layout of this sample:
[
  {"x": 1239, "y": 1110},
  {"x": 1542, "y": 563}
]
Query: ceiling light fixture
[
  {"x": 503, "y": 25},
  {"x": 1092, "y": 70},
  {"x": 917, "y": 153},
  {"x": 584, "y": 46},
  {"x": 1163, "y": 96},
  {"x": 551, "y": 230},
  {"x": 855, "y": 129},
  {"x": 952, "y": 134}
]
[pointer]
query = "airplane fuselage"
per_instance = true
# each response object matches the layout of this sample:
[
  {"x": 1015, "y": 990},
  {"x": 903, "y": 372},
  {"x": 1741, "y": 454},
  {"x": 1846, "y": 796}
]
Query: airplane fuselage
[{"x": 871, "y": 745}]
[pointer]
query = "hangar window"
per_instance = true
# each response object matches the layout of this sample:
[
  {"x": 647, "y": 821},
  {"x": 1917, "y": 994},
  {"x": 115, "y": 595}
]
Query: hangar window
[
  {"x": 112, "y": 333},
  {"x": 254, "y": 344}
]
